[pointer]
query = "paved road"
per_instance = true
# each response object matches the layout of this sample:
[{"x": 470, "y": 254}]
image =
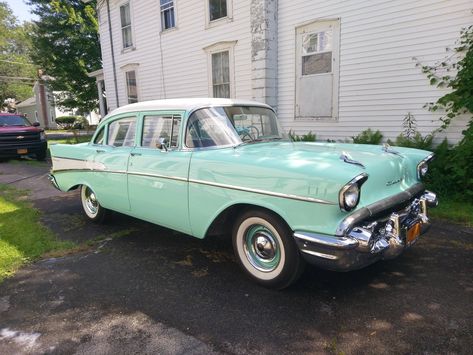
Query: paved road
[{"x": 146, "y": 289}]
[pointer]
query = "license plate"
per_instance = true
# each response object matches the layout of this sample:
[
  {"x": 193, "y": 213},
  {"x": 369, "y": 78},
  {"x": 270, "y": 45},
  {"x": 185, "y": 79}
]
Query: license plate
[
  {"x": 413, "y": 233},
  {"x": 22, "y": 151}
]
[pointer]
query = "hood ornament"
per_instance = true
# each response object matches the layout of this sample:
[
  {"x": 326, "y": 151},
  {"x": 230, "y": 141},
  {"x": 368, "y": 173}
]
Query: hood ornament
[
  {"x": 387, "y": 149},
  {"x": 347, "y": 159}
]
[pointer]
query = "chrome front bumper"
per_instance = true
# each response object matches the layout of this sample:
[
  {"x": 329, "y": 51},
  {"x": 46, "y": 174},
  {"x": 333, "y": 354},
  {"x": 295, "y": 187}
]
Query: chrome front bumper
[{"x": 378, "y": 231}]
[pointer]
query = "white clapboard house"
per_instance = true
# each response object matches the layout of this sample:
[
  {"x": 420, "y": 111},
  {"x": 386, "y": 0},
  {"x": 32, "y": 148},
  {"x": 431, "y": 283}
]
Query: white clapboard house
[{"x": 333, "y": 67}]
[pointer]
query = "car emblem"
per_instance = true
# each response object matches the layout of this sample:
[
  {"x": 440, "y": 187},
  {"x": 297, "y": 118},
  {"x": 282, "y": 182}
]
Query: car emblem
[
  {"x": 20, "y": 137},
  {"x": 393, "y": 182}
]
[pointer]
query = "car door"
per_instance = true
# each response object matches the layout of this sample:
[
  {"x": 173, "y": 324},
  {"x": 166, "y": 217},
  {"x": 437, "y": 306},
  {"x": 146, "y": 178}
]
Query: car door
[
  {"x": 111, "y": 162},
  {"x": 158, "y": 172}
]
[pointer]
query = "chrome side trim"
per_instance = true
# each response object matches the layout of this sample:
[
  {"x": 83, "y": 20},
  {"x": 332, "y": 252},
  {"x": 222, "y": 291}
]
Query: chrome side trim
[
  {"x": 262, "y": 192},
  {"x": 320, "y": 255},
  {"x": 158, "y": 176},
  {"x": 327, "y": 240},
  {"x": 208, "y": 183},
  {"x": 89, "y": 170}
]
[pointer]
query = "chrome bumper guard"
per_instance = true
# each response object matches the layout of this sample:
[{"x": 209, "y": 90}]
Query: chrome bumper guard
[
  {"x": 371, "y": 233},
  {"x": 53, "y": 181}
]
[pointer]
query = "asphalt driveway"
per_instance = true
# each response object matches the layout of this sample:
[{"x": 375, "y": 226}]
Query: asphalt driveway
[{"x": 147, "y": 289}]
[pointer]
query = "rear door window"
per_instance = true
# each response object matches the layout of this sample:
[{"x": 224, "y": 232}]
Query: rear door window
[{"x": 121, "y": 133}]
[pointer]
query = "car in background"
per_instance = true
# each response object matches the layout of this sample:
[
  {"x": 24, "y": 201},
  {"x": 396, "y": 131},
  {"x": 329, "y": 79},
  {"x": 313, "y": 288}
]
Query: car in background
[
  {"x": 18, "y": 137},
  {"x": 216, "y": 166}
]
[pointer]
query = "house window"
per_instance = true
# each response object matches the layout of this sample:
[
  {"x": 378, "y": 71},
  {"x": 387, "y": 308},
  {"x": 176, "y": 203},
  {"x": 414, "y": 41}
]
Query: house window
[
  {"x": 131, "y": 87},
  {"x": 221, "y": 74},
  {"x": 317, "y": 52},
  {"x": 126, "y": 25},
  {"x": 317, "y": 70},
  {"x": 167, "y": 14},
  {"x": 217, "y": 9}
]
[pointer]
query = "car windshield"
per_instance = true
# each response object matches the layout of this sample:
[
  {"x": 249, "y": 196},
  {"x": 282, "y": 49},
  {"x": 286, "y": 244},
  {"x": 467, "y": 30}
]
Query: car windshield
[
  {"x": 233, "y": 125},
  {"x": 13, "y": 120}
]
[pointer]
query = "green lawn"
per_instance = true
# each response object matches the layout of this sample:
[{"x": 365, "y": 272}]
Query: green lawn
[
  {"x": 453, "y": 211},
  {"x": 70, "y": 140},
  {"x": 22, "y": 237}
]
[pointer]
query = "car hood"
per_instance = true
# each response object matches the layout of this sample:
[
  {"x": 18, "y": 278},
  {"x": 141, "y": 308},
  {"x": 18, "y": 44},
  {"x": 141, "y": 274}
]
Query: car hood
[
  {"x": 326, "y": 167},
  {"x": 14, "y": 129}
]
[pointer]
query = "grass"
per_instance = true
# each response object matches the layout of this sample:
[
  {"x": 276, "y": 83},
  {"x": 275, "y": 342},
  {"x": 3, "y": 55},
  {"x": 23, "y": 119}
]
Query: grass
[
  {"x": 70, "y": 140},
  {"x": 22, "y": 238},
  {"x": 454, "y": 211}
]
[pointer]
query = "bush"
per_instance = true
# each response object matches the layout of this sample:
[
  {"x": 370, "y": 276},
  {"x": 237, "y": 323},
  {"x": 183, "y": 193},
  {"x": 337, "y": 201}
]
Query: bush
[
  {"x": 417, "y": 141},
  {"x": 72, "y": 122},
  {"x": 368, "y": 137},
  {"x": 309, "y": 137}
]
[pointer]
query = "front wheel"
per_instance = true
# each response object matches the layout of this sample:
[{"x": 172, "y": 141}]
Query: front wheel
[
  {"x": 266, "y": 250},
  {"x": 92, "y": 208}
]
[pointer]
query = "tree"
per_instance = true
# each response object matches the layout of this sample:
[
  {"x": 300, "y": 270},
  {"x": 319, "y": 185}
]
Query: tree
[
  {"x": 16, "y": 70},
  {"x": 66, "y": 46}
]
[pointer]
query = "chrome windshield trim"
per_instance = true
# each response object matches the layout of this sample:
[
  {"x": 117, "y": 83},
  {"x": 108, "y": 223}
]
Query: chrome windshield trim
[{"x": 263, "y": 192}]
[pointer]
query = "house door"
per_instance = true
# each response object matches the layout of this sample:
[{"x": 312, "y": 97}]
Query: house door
[{"x": 317, "y": 70}]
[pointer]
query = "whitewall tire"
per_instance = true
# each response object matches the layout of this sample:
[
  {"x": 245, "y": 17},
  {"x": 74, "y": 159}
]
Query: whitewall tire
[
  {"x": 265, "y": 249},
  {"x": 91, "y": 206}
]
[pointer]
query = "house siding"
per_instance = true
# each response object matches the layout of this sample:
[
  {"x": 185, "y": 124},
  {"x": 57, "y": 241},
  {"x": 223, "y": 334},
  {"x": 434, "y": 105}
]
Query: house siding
[
  {"x": 379, "y": 81},
  {"x": 180, "y": 69}
]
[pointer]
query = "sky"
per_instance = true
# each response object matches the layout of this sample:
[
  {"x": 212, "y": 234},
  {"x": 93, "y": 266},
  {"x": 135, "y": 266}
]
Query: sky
[{"x": 20, "y": 10}]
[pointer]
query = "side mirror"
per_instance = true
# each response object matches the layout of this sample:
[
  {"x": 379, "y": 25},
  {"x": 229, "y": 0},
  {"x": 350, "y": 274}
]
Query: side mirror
[
  {"x": 163, "y": 142},
  {"x": 35, "y": 124}
]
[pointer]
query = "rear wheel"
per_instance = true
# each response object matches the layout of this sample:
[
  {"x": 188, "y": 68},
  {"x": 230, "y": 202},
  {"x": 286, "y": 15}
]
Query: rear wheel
[
  {"x": 266, "y": 250},
  {"x": 92, "y": 208}
]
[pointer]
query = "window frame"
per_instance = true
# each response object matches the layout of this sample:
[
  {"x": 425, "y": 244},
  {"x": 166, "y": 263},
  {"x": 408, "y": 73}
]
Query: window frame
[
  {"x": 134, "y": 70},
  {"x": 130, "y": 26},
  {"x": 212, "y": 23},
  {"x": 161, "y": 11},
  {"x": 218, "y": 48}
]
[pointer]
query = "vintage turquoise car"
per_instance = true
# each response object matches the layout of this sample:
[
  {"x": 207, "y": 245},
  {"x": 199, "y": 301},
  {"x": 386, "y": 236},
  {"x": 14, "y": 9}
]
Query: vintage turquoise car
[{"x": 211, "y": 166}]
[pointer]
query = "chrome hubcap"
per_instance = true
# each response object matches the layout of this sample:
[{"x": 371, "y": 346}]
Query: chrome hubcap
[
  {"x": 261, "y": 248},
  {"x": 91, "y": 201}
]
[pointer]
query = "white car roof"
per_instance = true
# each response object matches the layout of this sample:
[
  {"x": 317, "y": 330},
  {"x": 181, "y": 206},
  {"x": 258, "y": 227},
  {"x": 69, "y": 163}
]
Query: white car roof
[{"x": 188, "y": 104}]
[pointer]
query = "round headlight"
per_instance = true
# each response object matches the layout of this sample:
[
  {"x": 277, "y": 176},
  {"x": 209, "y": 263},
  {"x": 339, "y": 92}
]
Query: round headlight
[
  {"x": 351, "y": 196},
  {"x": 423, "y": 169}
]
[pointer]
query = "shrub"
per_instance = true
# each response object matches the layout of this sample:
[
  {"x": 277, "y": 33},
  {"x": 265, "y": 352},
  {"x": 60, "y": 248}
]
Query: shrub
[
  {"x": 417, "y": 141},
  {"x": 72, "y": 122},
  {"x": 309, "y": 137},
  {"x": 368, "y": 137}
]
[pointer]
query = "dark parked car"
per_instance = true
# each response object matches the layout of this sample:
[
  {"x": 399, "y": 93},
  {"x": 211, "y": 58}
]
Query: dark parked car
[{"x": 19, "y": 137}]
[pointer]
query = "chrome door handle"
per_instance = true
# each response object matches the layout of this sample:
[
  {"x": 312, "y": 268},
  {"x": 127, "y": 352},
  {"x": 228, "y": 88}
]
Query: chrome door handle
[{"x": 135, "y": 154}]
